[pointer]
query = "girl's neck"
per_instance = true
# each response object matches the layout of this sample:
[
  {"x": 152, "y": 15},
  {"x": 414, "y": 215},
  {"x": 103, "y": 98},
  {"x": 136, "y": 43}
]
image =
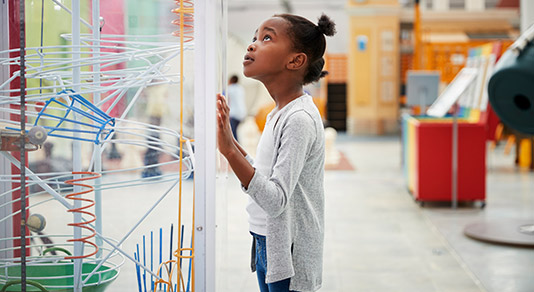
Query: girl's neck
[{"x": 284, "y": 95}]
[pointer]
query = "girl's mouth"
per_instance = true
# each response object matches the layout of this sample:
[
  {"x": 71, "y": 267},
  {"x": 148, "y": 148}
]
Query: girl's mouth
[{"x": 248, "y": 60}]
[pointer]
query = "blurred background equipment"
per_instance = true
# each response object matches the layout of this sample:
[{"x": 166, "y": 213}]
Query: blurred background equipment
[
  {"x": 510, "y": 87},
  {"x": 422, "y": 88},
  {"x": 512, "y": 97}
]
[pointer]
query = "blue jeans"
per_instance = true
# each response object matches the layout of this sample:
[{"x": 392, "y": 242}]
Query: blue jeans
[
  {"x": 261, "y": 268},
  {"x": 234, "y": 123}
]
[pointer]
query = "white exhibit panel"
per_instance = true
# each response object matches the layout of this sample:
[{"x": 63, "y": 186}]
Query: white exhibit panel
[
  {"x": 461, "y": 83},
  {"x": 122, "y": 165}
]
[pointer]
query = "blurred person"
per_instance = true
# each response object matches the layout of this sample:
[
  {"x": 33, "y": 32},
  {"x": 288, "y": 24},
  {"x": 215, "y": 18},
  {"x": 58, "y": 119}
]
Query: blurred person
[
  {"x": 156, "y": 109},
  {"x": 236, "y": 101}
]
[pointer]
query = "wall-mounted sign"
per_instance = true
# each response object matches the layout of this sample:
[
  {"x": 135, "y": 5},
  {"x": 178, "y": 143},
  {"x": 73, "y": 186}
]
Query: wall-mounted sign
[{"x": 361, "y": 42}]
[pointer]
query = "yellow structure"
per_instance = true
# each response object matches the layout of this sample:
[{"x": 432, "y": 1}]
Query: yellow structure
[
  {"x": 526, "y": 149},
  {"x": 383, "y": 33},
  {"x": 373, "y": 58}
]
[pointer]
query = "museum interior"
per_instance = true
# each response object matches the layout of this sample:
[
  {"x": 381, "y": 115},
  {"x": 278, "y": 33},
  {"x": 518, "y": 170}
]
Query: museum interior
[{"x": 108, "y": 120}]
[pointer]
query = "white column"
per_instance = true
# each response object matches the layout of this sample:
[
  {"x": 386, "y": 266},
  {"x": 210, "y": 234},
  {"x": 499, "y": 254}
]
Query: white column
[
  {"x": 475, "y": 5},
  {"x": 527, "y": 14},
  {"x": 423, "y": 3},
  {"x": 441, "y": 5}
]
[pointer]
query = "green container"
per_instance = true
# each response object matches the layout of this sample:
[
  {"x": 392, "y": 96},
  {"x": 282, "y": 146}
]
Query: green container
[{"x": 46, "y": 276}]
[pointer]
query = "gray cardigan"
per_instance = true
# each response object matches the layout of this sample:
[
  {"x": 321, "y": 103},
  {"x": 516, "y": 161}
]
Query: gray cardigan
[{"x": 293, "y": 197}]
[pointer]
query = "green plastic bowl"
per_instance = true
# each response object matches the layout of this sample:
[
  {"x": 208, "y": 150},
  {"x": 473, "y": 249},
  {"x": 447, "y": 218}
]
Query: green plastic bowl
[{"x": 45, "y": 275}]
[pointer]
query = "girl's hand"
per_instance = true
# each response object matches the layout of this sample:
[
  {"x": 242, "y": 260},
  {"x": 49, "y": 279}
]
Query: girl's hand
[
  {"x": 229, "y": 147},
  {"x": 225, "y": 138}
]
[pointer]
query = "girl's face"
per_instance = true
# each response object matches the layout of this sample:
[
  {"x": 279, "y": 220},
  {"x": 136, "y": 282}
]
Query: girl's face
[{"x": 269, "y": 51}]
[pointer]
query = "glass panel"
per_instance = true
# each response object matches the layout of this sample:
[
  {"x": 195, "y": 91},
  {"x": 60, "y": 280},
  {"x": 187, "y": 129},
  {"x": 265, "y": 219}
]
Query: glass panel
[{"x": 124, "y": 98}]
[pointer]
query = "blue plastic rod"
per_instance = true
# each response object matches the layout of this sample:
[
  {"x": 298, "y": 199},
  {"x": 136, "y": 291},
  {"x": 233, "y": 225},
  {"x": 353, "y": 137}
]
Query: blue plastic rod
[
  {"x": 170, "y": 253},
  {"x": 144, "y": 263},
  {"x": 181, "y": 246},
  {"x": 136, "y": 257},
  {"x": 160, "y": 251},
  {"x": 151, "y": 260}
]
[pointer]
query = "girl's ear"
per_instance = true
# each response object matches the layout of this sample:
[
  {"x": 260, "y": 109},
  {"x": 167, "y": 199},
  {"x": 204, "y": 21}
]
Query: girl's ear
[{"x": 297, "y": 62}]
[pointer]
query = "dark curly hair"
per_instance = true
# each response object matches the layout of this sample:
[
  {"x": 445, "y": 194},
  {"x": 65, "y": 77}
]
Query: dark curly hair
[{"x": 310, "y": 39}]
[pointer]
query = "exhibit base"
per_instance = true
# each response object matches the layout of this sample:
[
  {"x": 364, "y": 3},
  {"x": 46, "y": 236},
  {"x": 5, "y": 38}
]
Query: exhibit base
[{"x": 509, "y": 232}]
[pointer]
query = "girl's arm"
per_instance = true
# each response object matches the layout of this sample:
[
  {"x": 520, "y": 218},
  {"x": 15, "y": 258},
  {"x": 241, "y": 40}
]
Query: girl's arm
[
  {"x": 243, "y": 152},
  {"x": 228, "y": 146}
]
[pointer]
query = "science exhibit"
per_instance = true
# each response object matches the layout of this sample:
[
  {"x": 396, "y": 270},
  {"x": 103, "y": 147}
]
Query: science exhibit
[{"x": 86, "y": 115}]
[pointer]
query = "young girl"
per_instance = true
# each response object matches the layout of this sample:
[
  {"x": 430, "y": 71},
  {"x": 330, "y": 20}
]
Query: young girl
[{"x": 285, "y": 182}]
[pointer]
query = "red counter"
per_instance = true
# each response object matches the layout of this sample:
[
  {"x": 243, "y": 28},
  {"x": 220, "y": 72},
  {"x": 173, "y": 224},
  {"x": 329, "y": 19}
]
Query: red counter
[{"x": 428, "y": 159}]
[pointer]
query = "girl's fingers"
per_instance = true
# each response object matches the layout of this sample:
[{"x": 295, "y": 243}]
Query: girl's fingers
[
  {"x": 220, "y": 120},
  {"x": 219, "y": 107},
  {"x": 223, "y": 110},
  {"x": 224, "y": 104},
  {"x": 220, "y": 99},
  {"x": 223, "y": 124},
  {"x": 222, "y": 115}
]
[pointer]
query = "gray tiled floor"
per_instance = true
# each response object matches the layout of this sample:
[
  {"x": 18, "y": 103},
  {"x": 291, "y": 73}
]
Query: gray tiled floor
[
  {"x": 377, "y": 238},
  {"x": 510, "y": 197}
]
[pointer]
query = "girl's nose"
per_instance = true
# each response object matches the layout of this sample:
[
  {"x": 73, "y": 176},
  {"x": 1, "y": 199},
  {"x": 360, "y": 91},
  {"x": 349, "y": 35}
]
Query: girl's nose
[{"x": 251, "y": 47}]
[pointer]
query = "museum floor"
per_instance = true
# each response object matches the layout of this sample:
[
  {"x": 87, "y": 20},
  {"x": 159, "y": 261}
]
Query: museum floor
[{"x": 379, "y": 239}]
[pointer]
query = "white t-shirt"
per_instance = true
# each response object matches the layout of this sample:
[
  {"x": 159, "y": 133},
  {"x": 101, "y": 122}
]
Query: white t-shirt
[
  {"x": 236, "y": 101},
  {"x": 257, "y": 218}
]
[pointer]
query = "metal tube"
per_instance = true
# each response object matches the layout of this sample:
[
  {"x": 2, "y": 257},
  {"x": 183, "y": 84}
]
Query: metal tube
[
  {"x": 76, "y": 145},
  {"x": 97, "y": 150},
  {"x": 22, "y": 147}
]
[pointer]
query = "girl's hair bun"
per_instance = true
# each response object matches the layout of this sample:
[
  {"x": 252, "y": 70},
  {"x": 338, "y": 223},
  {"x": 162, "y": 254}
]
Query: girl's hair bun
[{"x": 326, "y": 25}]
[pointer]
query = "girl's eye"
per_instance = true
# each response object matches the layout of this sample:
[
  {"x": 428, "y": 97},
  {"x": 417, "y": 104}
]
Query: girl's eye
[
  {"x": 254, "y": 39},
  {"x": 267, "y": 38}
]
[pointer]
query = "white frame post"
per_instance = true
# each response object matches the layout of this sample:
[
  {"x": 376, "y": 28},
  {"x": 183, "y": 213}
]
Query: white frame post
[{"x": 205, "y": 144}]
